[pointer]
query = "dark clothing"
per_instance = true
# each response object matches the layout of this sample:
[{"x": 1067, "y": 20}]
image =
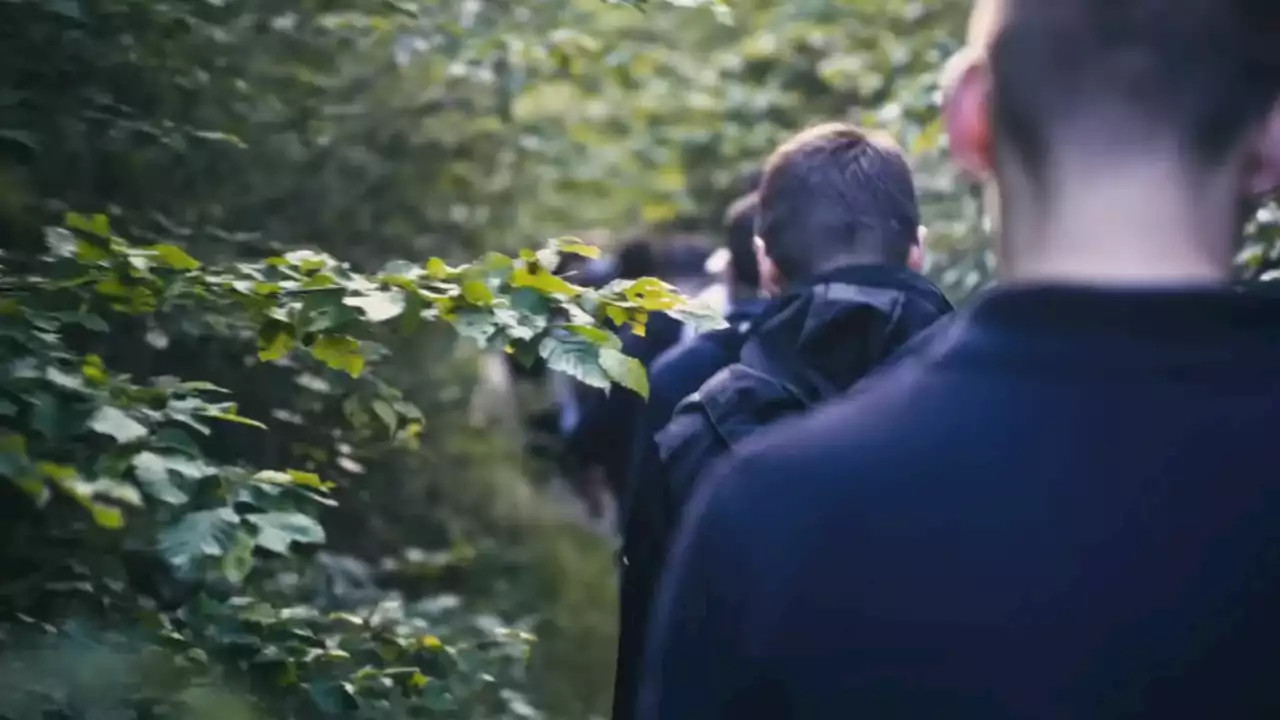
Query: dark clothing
[
  {"x": 1064, "y": 507},
  {"x": 677, "y": 373},
  {"x": 681, "y": 370},
  {"x": 810, "y": 345},
  {"x": 603, "y": 433},
  {"x": 817, "y": 343}
]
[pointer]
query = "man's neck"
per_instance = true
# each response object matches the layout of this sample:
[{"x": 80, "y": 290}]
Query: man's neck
[{"x": 1130, "y": 227}]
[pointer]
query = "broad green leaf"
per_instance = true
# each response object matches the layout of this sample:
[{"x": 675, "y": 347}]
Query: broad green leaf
[
  {"x": 543, "y": 281},
  {"x": 477, "y": 292},
  {"x": 576, "y": 357},
  {"x": 340, "y": 353},
  {"x": 279, "y": 346},
  {"x": 478, "y": 326},
  {"x": 238, "y": 562},
  {"x": 652, "y": 294},
  {"x": 152, "y": 473},
  {"x": 278, "y": 530},
  {"x": 573, "y": 246},
  {"x": 379, "y": 307},
  {"x": 175, "y": 257},
  {"x": 437, "y": 269},
  {"x": 597, "y": 335},
  {"x": 97, "y": 225},
  {"x": 206, "y": 533},
  {"x": 625, "y": 370},
  {"x": 114, "y": 422},
  {"x": 387, "y": 414}
]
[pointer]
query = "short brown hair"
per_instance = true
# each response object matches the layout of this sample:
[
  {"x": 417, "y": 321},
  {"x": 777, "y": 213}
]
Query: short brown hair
[
  {"x": 837, "y": 192},
  {"x": 1199, "y": 73},
  {"x": 740, "y": 227}
]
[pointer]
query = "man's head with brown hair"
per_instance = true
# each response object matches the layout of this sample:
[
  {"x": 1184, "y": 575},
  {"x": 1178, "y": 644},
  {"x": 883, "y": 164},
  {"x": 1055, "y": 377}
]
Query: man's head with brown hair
[
  {"x": 1102, "y": 110},
  {"x": 835, "y": 194}
]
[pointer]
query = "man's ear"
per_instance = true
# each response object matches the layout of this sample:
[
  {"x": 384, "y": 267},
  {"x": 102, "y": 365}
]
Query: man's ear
[
  {"x": 1264, "y": 169},
  {"x": 770, "y": 278},
  {"x": 966, "y": 113},
  {"x": 917, "y": 255}
]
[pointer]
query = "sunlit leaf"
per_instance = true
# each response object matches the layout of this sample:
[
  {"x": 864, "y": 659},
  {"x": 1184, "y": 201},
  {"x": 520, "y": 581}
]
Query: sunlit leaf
[
  {"x": 114, "y": 422},
  {"x": 625, "y": 370}
]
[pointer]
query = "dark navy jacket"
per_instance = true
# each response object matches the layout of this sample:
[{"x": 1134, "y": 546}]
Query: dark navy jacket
[
  {"x": 1065, "y": 506},
  {"x": 808, "y": 346}
]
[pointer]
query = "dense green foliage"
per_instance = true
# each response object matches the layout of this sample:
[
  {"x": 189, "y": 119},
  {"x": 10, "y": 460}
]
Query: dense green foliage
[{"x": 319, "y": 196}]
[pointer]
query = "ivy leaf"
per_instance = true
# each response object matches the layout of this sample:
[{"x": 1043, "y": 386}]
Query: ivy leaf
[
  {"x": 152, "y": 473},
  {"x": 114, "y": 422},
  {"x": 625, "y": 370},
  {"x": 278, "y": 530},
  {"x": 206, "y": 533},
  {"x": 576, "y": 357}
]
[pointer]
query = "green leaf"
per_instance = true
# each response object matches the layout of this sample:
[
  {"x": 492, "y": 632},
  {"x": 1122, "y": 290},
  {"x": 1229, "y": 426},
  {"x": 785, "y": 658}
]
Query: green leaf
[
  {"x": 437, "y": 269},
  {"x": 478, "y": 326},
  {"x": 97, "y": 225},
  {"x": 477, "y": 292},
  {"x": 596, "y": 335},
  {"x": 574, "y": 246},
  {"x": 238, "y": 562},
  {"x": 207, "y": 533},
  {"x": 152, "y": 473},
  {"x": 625, "y": 370},
  {"x": 232, "y": 417},
  {"x": 114, "y": 422},
  {"x": 292, "y": 477},
  {"x": 576, "y": 357},
  {"x": 277, "y": 347},
  {"x": 340, "y": 353},
  {"x": 379, "y": 307},
  {"x": 175, "y": 257},
  {"x": 387, "y": 414},
  {"x": 278, "y": 530},
  {"x": 540, "y": 279}
]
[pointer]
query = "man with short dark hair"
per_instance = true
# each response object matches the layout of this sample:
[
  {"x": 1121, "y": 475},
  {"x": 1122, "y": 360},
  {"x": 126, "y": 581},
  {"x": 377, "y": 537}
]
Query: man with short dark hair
[
  {"x": 837, "y": 239},
  {"x": 1064, "y": 506}
]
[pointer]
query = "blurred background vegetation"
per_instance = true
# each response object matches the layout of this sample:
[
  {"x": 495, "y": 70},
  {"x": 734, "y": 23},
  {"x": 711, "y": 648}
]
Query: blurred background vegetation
[{"x": 376, "y": 130}]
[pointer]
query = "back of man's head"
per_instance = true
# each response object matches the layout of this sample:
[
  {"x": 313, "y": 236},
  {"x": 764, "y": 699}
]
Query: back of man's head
[
  {"x": 1195, "y": 73},
  {"x": 836, "y": 194},
  {"x": 740, "y": 229},
  {"x": 1082, "y": 92},
  {"x": 636, "y": 259}
]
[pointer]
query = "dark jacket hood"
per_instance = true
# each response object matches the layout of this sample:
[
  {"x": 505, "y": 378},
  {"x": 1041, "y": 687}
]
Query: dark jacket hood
[{"x": 822, "y": 337}]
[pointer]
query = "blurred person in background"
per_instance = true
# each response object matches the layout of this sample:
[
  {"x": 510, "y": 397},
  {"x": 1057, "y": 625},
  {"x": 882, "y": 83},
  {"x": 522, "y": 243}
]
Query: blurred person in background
[
  {"x": 678, "y": 372},
  {"x": 599, "y": 428},
  {"x": 1065, "y": 505}
]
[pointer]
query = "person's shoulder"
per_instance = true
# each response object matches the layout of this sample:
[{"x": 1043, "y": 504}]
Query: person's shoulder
[{"x": 882, "y": 427}]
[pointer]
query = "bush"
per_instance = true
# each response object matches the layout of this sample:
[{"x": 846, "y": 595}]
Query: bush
[{"x": 119, "y": 522}]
